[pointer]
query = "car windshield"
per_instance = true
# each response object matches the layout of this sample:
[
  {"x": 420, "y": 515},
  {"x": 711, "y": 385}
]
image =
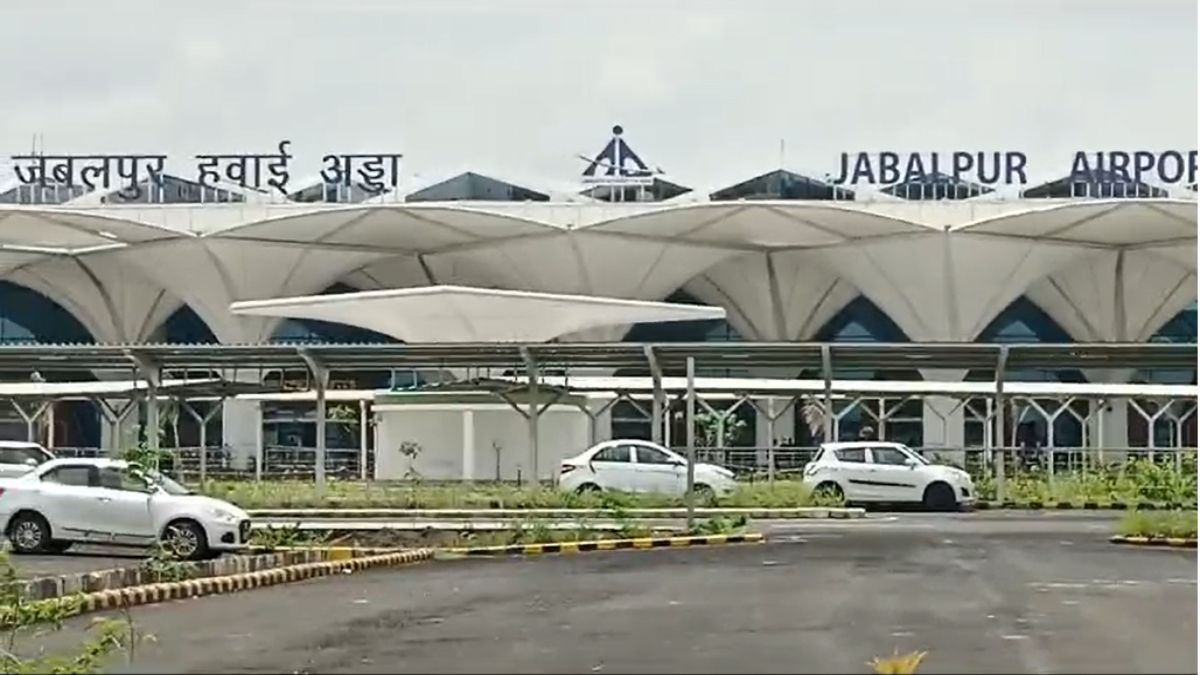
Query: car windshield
[
  {"x": 169, "y": 486},
  {"x": 913, "y": 453}
]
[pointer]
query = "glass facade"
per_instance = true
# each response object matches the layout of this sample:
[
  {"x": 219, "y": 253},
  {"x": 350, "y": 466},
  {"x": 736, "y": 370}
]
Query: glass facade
[
  {"x": 1178, "y": 425},
  {"x": 783, "y": 185},
  {"x": 28, "y": 316},
  {"x": 1024, "y": 322},
  {"x": 630, "y": 422},
  {"x": 893, "y": 419}
]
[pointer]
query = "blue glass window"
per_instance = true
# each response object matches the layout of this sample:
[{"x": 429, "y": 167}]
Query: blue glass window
[{"x": 1181, "y": 329}]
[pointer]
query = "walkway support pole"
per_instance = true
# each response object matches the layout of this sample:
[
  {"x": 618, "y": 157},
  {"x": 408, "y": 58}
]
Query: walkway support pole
[
  {"x": 320, "y": 380},
  {"x": 691, "y": 443},
  {"x": 998, "y": 413},
  {"x": 153, "y": 374},
  {"x": 827, "y": 375},
  {"x": 656, "y": 412},
  {"x": 532, "y": 415}
]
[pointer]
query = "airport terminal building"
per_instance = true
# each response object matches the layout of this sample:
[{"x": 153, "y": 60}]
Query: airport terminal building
[{"x": 789, "y": 258}]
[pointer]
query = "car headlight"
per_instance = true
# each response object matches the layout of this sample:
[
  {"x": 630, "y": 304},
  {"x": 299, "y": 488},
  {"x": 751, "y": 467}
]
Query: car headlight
[{"x": 223, "y": 514}]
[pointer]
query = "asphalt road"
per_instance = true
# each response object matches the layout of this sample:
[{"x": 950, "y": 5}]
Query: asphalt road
[{"x": 1009, "y": 596}]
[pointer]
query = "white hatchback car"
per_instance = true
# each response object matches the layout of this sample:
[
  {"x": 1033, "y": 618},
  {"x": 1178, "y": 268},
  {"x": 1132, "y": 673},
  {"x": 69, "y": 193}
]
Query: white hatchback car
[
  {"x": 639, "y": 466},
  {"x": 113, "y": 502},
  {"x": 876, "y": 471}
]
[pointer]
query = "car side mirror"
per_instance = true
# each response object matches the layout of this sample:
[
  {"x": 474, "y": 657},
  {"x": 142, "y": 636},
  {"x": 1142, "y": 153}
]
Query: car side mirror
[
  {"x": 911, "y": 463},
  {"x": 29, "y": 461}
]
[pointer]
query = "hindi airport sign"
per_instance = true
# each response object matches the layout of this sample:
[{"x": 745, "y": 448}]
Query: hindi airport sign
[
  {"x": 1170, "y": 167},
  {"x": 374, "y": 173}
]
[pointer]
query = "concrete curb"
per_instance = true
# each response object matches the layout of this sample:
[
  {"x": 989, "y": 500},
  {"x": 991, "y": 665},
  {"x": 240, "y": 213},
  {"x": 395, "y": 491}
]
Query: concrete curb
[
  {"x": 502, "y": 514},
  {"x": 134, "y": 596},
  {"x": 54, "y": 586},
  {"x": 347, "y": 552},
  {"x": 1175, "y": 542},
  {"x": 1083, "y": 506},
  {"x": 610, "y": 545}
]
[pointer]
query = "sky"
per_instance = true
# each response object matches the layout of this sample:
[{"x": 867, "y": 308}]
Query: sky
[{"x": 713, "y": 92}]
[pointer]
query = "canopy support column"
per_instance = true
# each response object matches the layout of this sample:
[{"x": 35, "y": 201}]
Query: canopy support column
[
  {"x": 153, "y": 374},
  {"x": 827, "y": 375},
  {"x": 656, "y": 412},
  {"x": 691, "y": 443},
  {"x": 202, "y": 422},
  {"x": 532, "y": 415},
  {"x": 998, "y": 419},
  {"x": 320, "y": 378}
]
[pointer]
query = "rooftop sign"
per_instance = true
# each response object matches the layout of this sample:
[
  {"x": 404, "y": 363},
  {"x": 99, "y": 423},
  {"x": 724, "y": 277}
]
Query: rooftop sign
[
  {"x": 372, "y": 172},
  {"x": 1170, "y": 167}
]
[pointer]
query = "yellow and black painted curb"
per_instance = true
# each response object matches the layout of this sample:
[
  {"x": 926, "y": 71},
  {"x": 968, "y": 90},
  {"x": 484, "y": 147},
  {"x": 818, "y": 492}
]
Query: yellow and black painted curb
[
  {"x": 610, "y": 545},
  {"x": 133, "y": 596},
  {"x": 1081, "y": 506},
  {"x": 1175, "y": 542}
]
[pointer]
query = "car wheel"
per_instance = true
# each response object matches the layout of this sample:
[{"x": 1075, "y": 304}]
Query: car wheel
[
  {"x": 29, "y": 533},
  {"x": 939, "y": 497},
  {"x": 704, "y": 495},
  {"x": 829, "y": 492},
  {"x": 587, "y": 489},
  {"x": 186, "y": 540}
]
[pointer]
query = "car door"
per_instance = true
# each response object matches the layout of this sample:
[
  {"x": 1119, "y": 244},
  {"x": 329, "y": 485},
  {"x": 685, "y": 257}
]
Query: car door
[
  {"x": 66, "y": 499},
  {"x": 854, "y": 474},
  {"x": 659, "y": 472},
  {"x": 894, "y": 479},
  {"x": 123, "y": 506},
  {"x": 612, "y": 467}
]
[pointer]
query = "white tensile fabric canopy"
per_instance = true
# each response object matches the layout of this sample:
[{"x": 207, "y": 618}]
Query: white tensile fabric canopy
[{"x": 466, "y": 314}]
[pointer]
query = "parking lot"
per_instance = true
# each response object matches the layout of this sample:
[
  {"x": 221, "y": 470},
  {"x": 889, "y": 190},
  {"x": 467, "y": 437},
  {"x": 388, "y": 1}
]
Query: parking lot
[{"x": 981, "y": 594}]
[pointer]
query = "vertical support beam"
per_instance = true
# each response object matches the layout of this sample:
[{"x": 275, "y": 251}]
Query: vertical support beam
[
  {"x": 770, "y": 439},
  {"x": 260, "y": 454},
  {"x": 531, "y": 416},
  {"x": 656, "y": 411},
  {"x": 827, "y": 375},
  {"x": 50, "y": 426},
  {"x": 999, "y": 421},
  {"x": 202, "y": 422},
  {"x": 152, "y": 374},
  {"x": 691, "y": 442},
  {"x": 320, "y": 380},
  {"x": 468, "y": 445},
  {"x": 363, "y": 427}
]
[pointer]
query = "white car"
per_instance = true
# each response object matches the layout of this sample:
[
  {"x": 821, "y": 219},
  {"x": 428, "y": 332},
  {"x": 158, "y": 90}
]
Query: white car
[
  {"x": 113, "y": 502},
  {"x": 19, "y": 457},
  {"x": 639, "y": 466},
  {"x": 876, "y": 471}
]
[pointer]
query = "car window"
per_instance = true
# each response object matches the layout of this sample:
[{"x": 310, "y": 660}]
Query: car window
[
  {"x": 648, "y": 455},
  {"x": 78, "y": 475},
  {"x": 21, "y": 455},
  {"x": 613, "y": 453},
  {"x": 857, "y": 455},
  {"x": 888, "y": 456},
  {"x": 116, "y": 479}
]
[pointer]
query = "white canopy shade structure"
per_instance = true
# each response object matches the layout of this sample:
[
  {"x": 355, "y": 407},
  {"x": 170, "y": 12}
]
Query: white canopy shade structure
[{"x": 435, "y": 314}]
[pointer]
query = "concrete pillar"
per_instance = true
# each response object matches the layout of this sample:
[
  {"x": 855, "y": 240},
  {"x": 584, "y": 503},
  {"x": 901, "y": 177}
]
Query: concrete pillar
[
  {"x": 785, "y": 422},
  {"x": 240, "y": 422},
  {"x": 1110, "y": 429}
]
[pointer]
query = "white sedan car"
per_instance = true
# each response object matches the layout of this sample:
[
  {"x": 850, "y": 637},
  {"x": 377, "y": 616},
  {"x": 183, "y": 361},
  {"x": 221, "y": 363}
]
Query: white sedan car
[
  {"x": 20, "y": 457},
  {"x": 639, "y": 466},
  {"x": 875, "y": 471},
  {"x": 113, "y": 502}
]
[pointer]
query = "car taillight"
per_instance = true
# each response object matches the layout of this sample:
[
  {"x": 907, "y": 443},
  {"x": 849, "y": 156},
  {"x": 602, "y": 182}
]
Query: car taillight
[
  {"x": 567, "y": 468},
  {"x": 1, "y": 492},
  {"x": 810, "y": 469}
]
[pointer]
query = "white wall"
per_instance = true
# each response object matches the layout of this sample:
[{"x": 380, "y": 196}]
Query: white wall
[{"x": 448, "y": 451}]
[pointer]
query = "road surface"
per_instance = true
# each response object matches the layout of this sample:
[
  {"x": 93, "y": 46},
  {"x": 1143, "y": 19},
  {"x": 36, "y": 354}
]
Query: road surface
[{"x": 1014, "y": 596}]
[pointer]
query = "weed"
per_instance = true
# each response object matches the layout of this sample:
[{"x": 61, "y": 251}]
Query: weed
[{"x": 897, "y": 663}]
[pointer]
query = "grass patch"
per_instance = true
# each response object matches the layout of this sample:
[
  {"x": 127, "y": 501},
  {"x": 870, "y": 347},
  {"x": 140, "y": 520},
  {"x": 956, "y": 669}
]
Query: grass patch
[
  {"x": 1172, "y": 524},
  {"x": 356, "y": 494}
]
